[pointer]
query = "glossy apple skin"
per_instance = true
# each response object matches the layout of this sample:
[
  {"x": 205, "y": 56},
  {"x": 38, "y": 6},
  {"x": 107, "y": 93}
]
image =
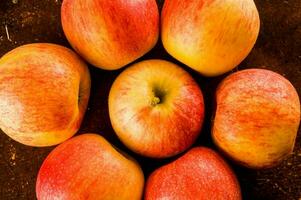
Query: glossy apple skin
[
  {"x": 87, "y": 167},
  {"x": 153, "y": 129},
  {"x": 210, "y": 36},
  {"x": 44, "y": 91},
  {"x": 199, "y": 174},
  {"x": 111, "y": 34},
  {"x": 257, "y": 117}
]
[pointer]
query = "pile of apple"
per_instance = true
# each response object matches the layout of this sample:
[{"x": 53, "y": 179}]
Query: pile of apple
[{"x": 156, "y": 108}]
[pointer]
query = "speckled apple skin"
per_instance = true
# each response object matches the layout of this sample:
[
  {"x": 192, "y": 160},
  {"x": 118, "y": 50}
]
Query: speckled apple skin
[
  {"x": 111, "y": 34},
  {"x": 199, "y": 174},
  {"x": 257, "y": 117},
  {"x": 44, "y": 92},
  {"x": 157, "y": 131},
  {"x": 87, "y": 167},
  {"x": 210, "y": 36}
]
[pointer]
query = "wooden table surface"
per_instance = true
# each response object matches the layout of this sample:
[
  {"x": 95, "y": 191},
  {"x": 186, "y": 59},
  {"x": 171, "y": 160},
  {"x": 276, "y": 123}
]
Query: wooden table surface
[{"x": 278, "y": 48}]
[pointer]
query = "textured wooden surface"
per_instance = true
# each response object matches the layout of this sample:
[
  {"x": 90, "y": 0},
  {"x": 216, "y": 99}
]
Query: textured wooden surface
[{"x": 278, "y": 48}]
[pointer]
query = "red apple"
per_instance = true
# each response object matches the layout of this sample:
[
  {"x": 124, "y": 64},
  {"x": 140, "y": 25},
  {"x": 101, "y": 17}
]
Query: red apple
[
  {"x": 111, "y": 34},
  {"x": 88, "y": 167},
  {"x": 210, "y": 36},
  {"x": 199, "y": 174},
  {"x": 257, "y": 117},
  {"x": 156, "y": 108},
  {"x": 44, "y": 91}
]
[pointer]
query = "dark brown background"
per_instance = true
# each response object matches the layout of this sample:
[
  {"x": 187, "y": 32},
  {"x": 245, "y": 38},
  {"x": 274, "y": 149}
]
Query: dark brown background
[{"x": 278, "y": 48}]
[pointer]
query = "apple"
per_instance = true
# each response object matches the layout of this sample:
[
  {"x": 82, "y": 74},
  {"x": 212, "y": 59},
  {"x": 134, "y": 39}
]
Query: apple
[
  {"x": 44, "y": 91},
  {"x": 199, "y": 174},
  {"x": 257, "y": 117},
  {"x": 156, "y": 108},
  {"x": 89, "y": 167},
  {"x": 212, "y": 37},
  {"x": 111, "y": 34}
]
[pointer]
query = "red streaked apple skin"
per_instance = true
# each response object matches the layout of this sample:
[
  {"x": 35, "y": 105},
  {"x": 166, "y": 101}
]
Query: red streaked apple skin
[
  {"x": 87, "y": 167},
  {"x": 111, "y": 34},
  {"x": 257, "y": 117},
  {"x": 210, "y": 36},
  {"x": 44, "y": 91},
  {"x": 160, "y": 130},
  {"x": 199, "y": 174}
]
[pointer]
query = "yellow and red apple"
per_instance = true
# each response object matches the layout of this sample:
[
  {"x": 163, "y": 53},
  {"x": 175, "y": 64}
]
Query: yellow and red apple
[
  {"x": 257, "y": 117},
  {"x": 156, "y": 108},
  {"x": 44, "y": 91},
  {"x": 199, "y": 174},
  {"x": 88, "y": 167},
  {"x": 210, "y": 36},
  {"x": 111, "y": 34}
]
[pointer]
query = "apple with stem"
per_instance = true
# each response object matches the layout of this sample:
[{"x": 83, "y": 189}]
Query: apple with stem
[
  {"x": 156, "y": 108},
  {"x": 44, "y": 92}
]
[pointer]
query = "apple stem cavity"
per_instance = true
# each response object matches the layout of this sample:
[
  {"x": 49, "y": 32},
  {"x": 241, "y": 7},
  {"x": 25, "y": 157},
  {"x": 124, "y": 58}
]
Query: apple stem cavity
[
  {"x": 155, "y": 101},
  {"x": 158, "y": 96}
]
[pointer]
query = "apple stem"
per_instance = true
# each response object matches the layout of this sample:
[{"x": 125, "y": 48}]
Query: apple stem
[{"x": 155, "y": 101}]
